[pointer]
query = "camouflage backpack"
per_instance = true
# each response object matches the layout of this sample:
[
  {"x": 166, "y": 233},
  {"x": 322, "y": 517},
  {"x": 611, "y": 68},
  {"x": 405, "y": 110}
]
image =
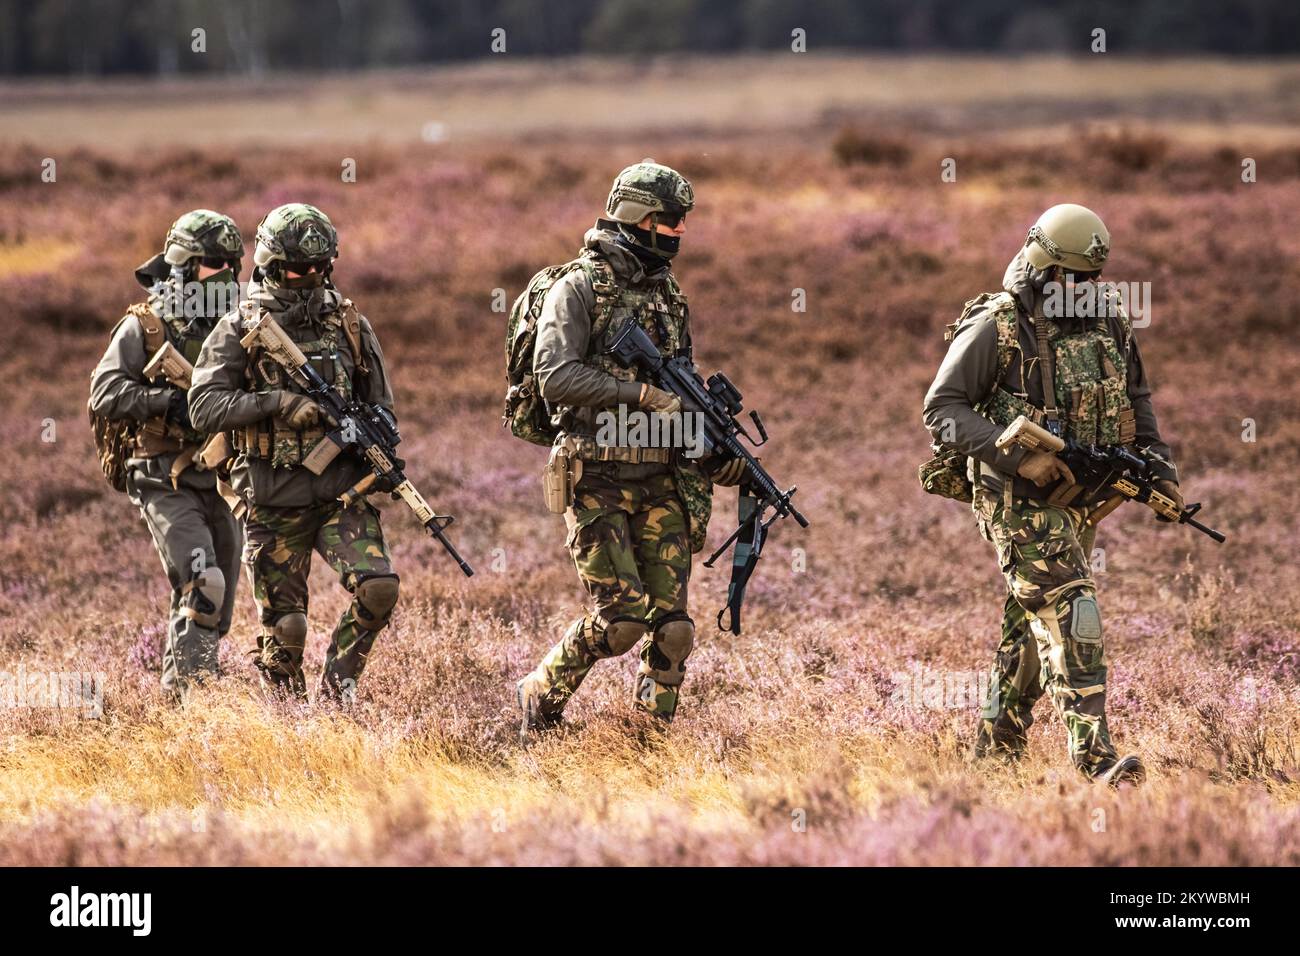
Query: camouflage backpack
[
  {"x": 526, "y": 413},
  {"x": 946, "y": 474},
  {"x": 115, "y": 437}
]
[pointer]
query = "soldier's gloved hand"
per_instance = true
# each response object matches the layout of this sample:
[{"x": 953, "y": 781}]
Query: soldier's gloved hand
[
  {"x": 657, "y": 400},
  {"x": 298, "y": 410},
  {"x": 385, "y": 483},
  {"x": 178, "y": 409},
  {"x": 1044, "y": 468},
  {"x": 1169, "y": 489},
  {"x": 728, "y": 473}
]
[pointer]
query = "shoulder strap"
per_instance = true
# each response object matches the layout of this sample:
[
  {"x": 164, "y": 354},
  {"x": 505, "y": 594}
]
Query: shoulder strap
[
  {"x": 151, "y": 325},
  {"x": 1046, "y": 372},
  {"x": 1121, "y": 326},
  {"x": 352, "y": 329},
  {"x": 606, "y": 289}
]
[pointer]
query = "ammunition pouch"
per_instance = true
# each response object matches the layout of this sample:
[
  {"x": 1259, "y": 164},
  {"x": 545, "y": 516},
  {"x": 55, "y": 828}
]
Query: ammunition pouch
[
  {"x": 154, "y": 438},
  {"x": 588, "y": 449},
  {"x": 216, "y": 452},
  {"x": 276, "y": 442}
]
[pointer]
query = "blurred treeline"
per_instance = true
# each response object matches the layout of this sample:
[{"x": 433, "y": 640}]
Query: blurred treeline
[{"x": 252, "y": 36}]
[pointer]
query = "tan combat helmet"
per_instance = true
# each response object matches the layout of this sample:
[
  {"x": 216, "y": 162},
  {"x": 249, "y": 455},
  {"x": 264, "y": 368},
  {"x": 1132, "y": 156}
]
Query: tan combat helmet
[{"x": 1070, "y": 236}]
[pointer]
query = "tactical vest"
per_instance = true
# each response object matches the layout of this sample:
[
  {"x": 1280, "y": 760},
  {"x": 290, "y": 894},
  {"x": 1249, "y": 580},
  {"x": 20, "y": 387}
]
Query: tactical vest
[
  {"x": 157, "y": 436},
  {"x": 332, "y": 344},
  {"x": 661, "y": 310},
  {"x": 1090, "y": 373}
]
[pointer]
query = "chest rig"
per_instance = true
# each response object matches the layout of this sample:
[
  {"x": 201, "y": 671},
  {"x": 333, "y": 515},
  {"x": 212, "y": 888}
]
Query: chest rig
[
  {"x": 157, "y": 435},
  {"x": 332, "y": 344},
  {"x": 1081, "y": 365},
  {"x": 661, "y": 310}
]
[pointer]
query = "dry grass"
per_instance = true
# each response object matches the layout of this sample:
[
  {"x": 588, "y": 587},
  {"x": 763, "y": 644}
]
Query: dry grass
[{"x": 796, "y": 720}]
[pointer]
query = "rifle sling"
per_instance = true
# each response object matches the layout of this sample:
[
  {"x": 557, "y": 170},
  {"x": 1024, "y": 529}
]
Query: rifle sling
[
  {"x": 1046, "y": 368},
  {"x": 749, "y": 546}
]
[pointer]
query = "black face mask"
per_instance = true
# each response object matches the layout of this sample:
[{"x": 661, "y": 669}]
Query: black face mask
[
  {"x": 650, "y": 247},
  {"x": 312, "y": 280}
]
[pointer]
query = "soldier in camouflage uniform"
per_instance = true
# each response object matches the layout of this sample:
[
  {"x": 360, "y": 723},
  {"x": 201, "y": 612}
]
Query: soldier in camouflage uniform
[
  {"x": 292, "y": 509},
  {"x": 191, "y": 283},
  {"x": 637, "y": 514},
  {"x": 1052, "y": 631}
]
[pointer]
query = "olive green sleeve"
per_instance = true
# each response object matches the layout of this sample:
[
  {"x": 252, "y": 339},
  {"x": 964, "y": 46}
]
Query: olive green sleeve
[
  {"x": 563, "y": 335},
  {"x": 966, "y": 378},
  {"x": 379, "y": 389},
  {"x": 218, "y": 398},
  {"x": 118, "y": 389}
]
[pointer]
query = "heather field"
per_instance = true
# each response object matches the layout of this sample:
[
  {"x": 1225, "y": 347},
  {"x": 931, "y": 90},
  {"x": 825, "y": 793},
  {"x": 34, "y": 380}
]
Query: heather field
[{"x": 834, "y": 729}]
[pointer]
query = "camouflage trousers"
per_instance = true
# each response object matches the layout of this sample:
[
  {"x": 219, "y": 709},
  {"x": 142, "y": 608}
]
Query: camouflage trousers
[
  {"x": 193, "y": 531},
  {"x": 278, "y": 550},
  {"x": 628, "y": 541},
  {"x": 1051, "y": 631}
]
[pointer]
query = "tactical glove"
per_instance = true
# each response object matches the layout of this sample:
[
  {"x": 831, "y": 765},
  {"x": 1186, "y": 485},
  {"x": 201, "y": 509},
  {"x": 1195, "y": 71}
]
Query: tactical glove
[
  {"x": 178, "y": 409},
  {"x": 298, "y": 410},
  {"x": 1044, "y": 468},
  {"x": 657, "y": 400},
  {"x": 384, "y": 483},
  {"x": 1170, "y": 490},
  {"x": 728, "y": 473}
]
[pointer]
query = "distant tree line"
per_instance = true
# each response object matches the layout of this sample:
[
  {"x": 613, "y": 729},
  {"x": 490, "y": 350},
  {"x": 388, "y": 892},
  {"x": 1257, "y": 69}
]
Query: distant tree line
[{"x": 98, "y": 37}]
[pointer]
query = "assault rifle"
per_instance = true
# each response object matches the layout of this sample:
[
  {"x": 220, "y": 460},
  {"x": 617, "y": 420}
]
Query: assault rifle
[
  {"x": 369, "y": 430},
  {"x": 1125, "y": 472},
  {"x": 718, "y": 402}
]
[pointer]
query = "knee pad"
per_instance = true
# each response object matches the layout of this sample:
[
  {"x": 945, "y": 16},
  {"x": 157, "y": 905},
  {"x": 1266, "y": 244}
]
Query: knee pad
[
  {"x": 374, "y": 600},
  {"x": 290, "y": 632},
  {"x": 202, "y": 597},
  {"x": 1085, "y": 619},
  {"x": 674, "y": 637},
  {"x": 621, "y": 635}
]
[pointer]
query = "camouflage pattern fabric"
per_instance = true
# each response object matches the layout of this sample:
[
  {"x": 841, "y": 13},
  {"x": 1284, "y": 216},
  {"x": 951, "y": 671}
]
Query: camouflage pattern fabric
[
  {"x": 1052, "y": 602},
  {"x": 629, "y": 543},
  {"x": 1091, "y": 386},
  {"x": 945, "y": 475},
  {"x": 279, "y": 545},
  {"x": 696, "y": 491}
]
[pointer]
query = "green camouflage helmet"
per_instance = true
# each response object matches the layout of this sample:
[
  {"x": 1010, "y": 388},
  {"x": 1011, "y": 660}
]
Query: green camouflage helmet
[
  {"x": 295, "y": 232},
  {"x": 201, "y": 234},
  {"x": 1070, "y": 236},
  {"x": 647, "y": 187}
]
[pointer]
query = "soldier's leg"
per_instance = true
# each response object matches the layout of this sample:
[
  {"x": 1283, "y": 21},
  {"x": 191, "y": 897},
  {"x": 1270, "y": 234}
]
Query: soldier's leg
[
  {"x": 228, "y": 542},
  {"x": 177, "y": 520},
  {"x": 600, "y": 543},
  {"x": 1014, "y": 687},
  {"x": 277, "y": 551},
  {"x": 352, "y": 541},
  {"x": 1050, "y": 577},
  {"x": 663, "y": 555}
]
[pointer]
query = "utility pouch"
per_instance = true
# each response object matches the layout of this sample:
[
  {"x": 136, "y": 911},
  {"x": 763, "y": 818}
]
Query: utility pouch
[
  {"x": 216, "y": 451},
  {"x": 560, "y": 478}
]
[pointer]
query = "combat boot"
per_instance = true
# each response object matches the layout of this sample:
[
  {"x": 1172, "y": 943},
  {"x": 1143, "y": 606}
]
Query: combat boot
[
  {"x": 278, "y": 672},
  {"x": 1127, "y": 769},
  {"x": 535, "y": 719}
]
